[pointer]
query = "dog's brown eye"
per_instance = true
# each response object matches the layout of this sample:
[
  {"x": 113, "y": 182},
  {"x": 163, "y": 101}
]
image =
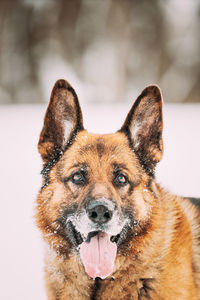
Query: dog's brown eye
[
  {"x": 78, "y": 178},
  {"x": 121, "y": 179}
]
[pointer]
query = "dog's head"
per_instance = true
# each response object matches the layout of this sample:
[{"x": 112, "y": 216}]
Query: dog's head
[{"x": 99, "y": 191}]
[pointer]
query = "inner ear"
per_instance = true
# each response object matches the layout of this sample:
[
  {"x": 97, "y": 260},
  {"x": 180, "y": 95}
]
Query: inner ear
[
  {"x": 63, "y": 119},
  {"x": 143, "y": 127}
]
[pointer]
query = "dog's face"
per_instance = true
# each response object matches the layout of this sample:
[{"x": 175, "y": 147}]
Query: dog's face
[{"x": 99, "y": 193}]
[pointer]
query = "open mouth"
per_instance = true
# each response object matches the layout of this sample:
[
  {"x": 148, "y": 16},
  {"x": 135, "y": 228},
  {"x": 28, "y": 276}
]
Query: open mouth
[
  {"x": 96, "y": 243},
  {"x": 113, "y": 238},
  {"x": 98, "y": 254},
  {"x": 97, "y": 250},
  {"x": 77, "y": 238}
]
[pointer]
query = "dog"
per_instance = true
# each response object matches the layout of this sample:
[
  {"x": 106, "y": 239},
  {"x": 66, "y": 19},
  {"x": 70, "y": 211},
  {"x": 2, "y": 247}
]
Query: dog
[{"x": 111, "y": 232}]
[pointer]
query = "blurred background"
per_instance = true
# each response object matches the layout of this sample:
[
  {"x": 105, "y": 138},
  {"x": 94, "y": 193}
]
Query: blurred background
[{"x": 108, "y": 49}]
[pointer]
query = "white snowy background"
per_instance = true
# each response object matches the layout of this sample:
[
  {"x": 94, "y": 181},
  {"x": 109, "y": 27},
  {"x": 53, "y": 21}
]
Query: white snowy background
[{"x": 21, "y": 248}]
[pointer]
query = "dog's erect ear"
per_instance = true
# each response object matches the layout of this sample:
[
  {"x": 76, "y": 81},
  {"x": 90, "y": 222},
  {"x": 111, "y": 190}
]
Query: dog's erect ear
[
  {"x": 143, "y": 126},
  {"x": 63, "y": 119}
]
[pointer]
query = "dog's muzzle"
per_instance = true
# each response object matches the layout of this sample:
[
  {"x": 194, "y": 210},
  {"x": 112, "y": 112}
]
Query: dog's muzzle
[
  {"x": 96, "y": 229},
  {"x": 99, "y": 213},
  {"x": 94, "y": 216}
]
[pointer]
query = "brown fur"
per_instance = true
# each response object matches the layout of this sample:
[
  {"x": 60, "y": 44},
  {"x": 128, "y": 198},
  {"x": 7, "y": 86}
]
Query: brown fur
[{"x": 159, "y": 257}]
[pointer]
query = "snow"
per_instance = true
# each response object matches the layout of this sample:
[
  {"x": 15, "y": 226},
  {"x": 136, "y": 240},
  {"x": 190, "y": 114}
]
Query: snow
[{"x": 21, "y": 259}]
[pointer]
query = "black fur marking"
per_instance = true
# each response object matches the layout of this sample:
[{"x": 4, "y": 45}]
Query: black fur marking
[
  {"x": 195, "y": 201},
  {"x": 141, "y": 159},
  {"x": 61, "y": 83},
  {"x": 145, "y": 164},
  {"x": 149, "y": 185},
  {"x": 73, "y": 235},
  {"x": 126, "y": 131},
  {"x": 100, "y": 149},
  {"x": 47, "y": 168},
  {"x": 130, "y": 231},
  {"x": 96, "y": 287},
  {"x": 69, "y": 232},
  {"x": 131, "y": 187},
  {"x": 145, "y": 289},
  {"x": 79, "y": 125}
]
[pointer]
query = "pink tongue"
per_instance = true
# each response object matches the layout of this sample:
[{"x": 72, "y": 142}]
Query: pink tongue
[{"x": 98, "y": 256}]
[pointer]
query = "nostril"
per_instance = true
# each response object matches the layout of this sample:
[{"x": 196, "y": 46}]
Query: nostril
[
  {"x": 107, "y": 215},
  {"x": 93, "y": 215}
]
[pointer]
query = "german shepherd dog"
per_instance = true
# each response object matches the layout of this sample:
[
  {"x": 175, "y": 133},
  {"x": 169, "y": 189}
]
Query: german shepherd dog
[{"x": 111, "y": 231}]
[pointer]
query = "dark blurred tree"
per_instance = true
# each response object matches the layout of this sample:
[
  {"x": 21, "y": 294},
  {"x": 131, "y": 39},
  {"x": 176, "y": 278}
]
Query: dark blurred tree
[
  {"x": 18, "y": 67},
  {"x": 194, "y": 94},
  {"x": 114, "y": 47}
]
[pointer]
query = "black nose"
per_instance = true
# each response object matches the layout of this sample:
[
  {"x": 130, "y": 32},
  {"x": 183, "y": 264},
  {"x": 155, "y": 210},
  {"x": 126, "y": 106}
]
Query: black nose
[{"x": 99, "y": 214}]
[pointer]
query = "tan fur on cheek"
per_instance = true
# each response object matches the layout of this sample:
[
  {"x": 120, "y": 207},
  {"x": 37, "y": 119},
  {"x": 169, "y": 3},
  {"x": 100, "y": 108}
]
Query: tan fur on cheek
[
  {"x": 143, "y": 203},
  {"x": 58, "y": 195},
  {"x": 62, "y": 191}
]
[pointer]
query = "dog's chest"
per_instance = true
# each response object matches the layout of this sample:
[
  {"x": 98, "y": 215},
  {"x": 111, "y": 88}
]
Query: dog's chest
[{"x": 124, "y": 288}]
